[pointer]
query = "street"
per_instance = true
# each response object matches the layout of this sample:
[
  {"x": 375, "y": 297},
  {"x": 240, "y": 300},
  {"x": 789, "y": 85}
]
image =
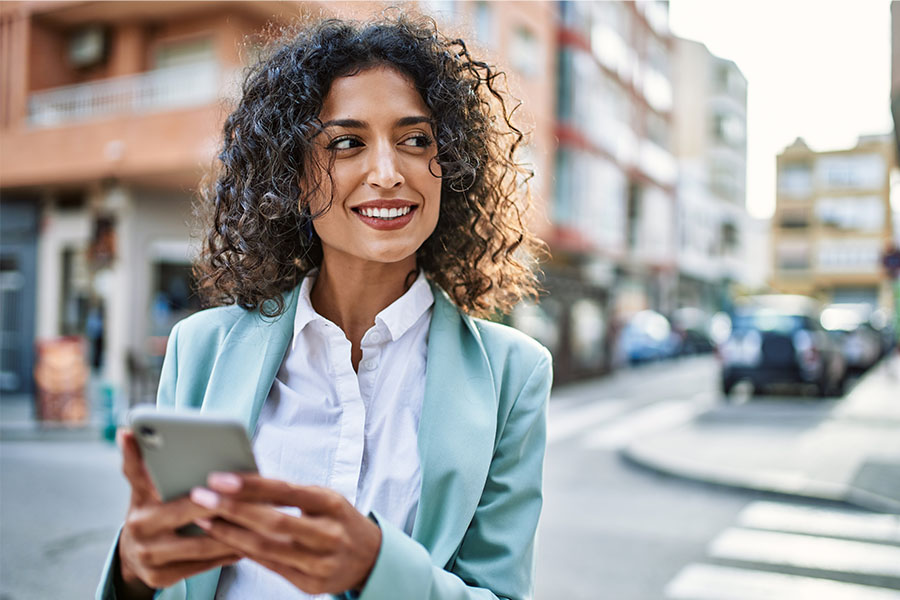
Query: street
[
  {"x": 614, "y": 530},
  {"x": 610, "y": 528}
]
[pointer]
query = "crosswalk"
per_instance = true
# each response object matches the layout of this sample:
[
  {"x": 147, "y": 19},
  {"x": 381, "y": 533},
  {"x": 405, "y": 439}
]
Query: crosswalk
[
  {"x": 612, "y": 423},
  {"x": 782, "y": 551}
]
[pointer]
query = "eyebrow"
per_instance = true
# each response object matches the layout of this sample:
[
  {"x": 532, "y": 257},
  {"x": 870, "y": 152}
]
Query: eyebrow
[{"x": 357, "y": 124}]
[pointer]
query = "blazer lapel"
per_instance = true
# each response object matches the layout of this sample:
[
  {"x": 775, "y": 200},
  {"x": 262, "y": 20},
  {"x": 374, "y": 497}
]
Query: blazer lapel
[
  {"x": 248, "y": 361},
  {"x": 456, "y": 430}
]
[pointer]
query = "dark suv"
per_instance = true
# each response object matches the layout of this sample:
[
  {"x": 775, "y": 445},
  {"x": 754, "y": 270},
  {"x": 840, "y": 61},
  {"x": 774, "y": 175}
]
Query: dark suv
[{"x": 778, "y": 339}]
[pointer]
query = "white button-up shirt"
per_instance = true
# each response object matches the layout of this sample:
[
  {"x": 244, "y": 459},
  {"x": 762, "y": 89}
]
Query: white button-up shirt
[{"x": 324, "y": 424}]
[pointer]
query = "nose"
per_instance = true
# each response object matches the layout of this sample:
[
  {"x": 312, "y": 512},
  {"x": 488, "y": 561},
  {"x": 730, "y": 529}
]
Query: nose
[{"x": 384, "y": 168}]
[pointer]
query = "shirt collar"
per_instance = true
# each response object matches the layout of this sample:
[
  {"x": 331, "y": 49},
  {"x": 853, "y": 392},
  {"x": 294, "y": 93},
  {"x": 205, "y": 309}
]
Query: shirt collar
[
  {"x": 396, "y": 318},
  {"x": 407, "y": 309}
]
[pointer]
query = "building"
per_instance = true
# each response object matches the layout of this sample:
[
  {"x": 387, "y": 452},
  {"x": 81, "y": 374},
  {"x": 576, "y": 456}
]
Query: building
[
  {"x": 110, "y": 114},
  {"x": 832, "y": 221},
  {"x": 895, "y": 72},
  {"x": 710, "y": 143},
  {"x": 614, "y": 198}
]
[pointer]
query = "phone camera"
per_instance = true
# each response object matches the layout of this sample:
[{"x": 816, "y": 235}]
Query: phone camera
[{"x": 151, "y": 438}]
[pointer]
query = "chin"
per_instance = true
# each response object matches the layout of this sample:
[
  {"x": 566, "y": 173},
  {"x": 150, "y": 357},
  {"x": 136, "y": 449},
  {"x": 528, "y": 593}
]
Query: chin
[{"x": 390, "y": 255}]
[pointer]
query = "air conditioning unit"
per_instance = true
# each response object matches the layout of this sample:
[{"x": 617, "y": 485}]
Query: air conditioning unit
[{"x": 87, "y": 46}]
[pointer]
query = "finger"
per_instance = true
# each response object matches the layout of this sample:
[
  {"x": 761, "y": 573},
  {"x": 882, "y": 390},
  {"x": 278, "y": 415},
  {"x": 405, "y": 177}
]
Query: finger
[
  {"x": 133, "y": 467},
  {"x": 310, "y": 532},
  {"x": 256, "y": 488},
  {"x": 277, "y": 549},
  {"x": 174, "y": 549},
  {"x": 164, "y": 577},
  {"x": 151, "y": 520}
]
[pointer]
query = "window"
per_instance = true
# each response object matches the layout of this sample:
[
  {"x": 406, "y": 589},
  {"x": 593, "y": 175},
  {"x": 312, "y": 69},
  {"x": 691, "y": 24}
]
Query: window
[
  {"x": 852, "y": 213},
  {"x": 525, "y": 52},
  {"x": 633, "y": 214},
  {"x": 565, "y": 90},
  {"x": 792, "y": 255},
  {"x": 184, "y": 52},
  {"x": 657, "y": 129},
  {"x": 795, "y": 180},
  {"x": 725, "y": 179},
  {"x": 729, "y": 129},
  {"x": 794, "y": 218},
  {"x": 484, "y": 24},
  {"x": 440, "y": 10},
  {"x": 730, "y": 238},
  {"x": 850, "y": 255},
  {"x": 562, "y": 207},
  {"x": 851, "y": 170}
]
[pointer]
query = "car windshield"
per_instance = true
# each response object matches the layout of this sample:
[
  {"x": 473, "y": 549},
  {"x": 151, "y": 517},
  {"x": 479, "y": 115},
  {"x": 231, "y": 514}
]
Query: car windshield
[{"x": 765, "y": 320}]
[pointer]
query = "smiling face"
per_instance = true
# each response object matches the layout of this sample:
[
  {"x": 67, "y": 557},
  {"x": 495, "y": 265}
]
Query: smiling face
[{"x": 385, "y": 187}]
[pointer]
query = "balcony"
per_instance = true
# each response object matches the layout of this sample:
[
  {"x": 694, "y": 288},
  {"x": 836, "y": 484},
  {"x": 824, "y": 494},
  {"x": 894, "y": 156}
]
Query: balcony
[{"x": 171, "y": 88}]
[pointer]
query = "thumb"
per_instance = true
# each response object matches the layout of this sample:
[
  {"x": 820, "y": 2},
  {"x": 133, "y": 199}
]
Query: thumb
[{"x": 142, "y": 488}]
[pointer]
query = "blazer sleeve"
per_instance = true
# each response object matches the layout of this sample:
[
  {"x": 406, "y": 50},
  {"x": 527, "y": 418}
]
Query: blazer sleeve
[
  {"x": 496, "y": 557},
  {"x": 165, "y": 397}
]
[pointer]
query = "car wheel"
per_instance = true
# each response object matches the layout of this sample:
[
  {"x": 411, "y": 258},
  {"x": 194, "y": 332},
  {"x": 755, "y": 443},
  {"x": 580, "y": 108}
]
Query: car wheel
[
  {"x": 830, "y": 389},
  {"x": 727, "y": 386}
]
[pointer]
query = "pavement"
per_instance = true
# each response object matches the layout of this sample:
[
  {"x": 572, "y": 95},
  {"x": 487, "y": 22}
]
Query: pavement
[{"x": 845, "y": 450}]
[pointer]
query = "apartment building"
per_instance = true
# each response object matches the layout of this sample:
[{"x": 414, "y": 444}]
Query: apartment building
[
  {"x": 614, "y": 202},
  {"x": 111, "y": 113},
  {"x": 710, "y": 143},
  {"x": 832, "y": 221}
]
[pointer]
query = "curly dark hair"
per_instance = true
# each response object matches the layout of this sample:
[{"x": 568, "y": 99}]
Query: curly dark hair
[{"x": 256, "y": 223}]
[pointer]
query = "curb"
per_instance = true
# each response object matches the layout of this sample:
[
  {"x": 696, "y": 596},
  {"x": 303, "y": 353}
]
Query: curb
[{"x": 789, "y": 486}]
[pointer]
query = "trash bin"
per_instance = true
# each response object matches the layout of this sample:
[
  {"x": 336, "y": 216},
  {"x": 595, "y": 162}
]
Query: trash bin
[{"x": 61, "y": 374}]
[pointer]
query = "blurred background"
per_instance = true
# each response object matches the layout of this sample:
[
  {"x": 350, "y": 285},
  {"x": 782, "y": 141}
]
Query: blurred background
[{"x": 713, "y": 179}]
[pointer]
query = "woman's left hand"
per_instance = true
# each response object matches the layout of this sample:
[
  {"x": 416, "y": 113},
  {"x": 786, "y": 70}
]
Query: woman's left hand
[{"x": 330, "y": 548}]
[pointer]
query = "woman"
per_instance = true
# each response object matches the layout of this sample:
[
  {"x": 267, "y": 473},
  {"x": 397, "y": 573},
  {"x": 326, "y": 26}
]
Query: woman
[{"x": 368, "y": 206}]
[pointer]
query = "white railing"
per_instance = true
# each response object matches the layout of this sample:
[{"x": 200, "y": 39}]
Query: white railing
[{"x": 161, "y": 89}]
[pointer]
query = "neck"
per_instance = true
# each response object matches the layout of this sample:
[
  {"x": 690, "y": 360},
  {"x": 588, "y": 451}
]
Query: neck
[{"x": 350, "y": 296}]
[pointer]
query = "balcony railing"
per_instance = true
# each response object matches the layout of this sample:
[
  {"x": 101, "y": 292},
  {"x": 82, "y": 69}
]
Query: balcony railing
[{"x": 162, "y": 89}]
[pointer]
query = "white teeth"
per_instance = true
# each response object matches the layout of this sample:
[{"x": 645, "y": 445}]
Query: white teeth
[{"x": 385, "y": 213}]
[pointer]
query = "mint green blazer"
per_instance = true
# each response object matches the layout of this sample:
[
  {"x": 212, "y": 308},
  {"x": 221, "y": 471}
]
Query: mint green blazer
[{"x": 481, "y": 446}]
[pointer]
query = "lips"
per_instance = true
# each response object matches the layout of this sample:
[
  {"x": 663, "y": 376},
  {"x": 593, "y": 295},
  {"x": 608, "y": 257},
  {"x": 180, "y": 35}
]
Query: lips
[{"x": 385, "y": 214}]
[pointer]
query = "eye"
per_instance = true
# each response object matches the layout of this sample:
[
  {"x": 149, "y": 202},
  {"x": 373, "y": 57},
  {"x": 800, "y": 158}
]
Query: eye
[
  {"x": 419, "y": 140},
  {"x": 344, "y": 143}
]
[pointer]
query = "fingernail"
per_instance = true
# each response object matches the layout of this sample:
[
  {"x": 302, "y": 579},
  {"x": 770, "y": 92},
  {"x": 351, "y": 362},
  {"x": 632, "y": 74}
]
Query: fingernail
[
  {"x": 204, "y": 524},
  {"x": 204, "y": 497},
  {"x": 224, "y": 482}
]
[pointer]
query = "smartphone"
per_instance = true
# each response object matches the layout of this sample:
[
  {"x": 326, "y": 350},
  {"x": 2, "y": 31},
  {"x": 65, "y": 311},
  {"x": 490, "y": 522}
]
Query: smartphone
[{"x": 181, "y": 448}]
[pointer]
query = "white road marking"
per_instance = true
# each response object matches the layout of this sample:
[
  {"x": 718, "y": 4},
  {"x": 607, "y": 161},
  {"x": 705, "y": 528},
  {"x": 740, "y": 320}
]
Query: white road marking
[
  {"x": 569, "y": 422},
  {"x": 807, "y": 551},
  {"x": 653, "y": 418},
  {"x": 776, "y": 516},
  {"x": 711, "y": 582}
]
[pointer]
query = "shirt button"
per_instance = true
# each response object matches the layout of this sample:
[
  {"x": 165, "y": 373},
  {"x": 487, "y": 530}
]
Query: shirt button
[
  {"x": 375, "y": 337},
  {"x": 370, "y": 365}
]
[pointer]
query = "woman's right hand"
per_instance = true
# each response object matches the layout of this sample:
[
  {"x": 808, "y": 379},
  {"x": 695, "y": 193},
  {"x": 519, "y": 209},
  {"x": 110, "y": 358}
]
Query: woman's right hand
[{"x": 151, "y": 554}]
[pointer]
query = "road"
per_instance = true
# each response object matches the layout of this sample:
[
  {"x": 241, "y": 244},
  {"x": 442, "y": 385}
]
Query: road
[
  {"x": 609, "y": 530},
  {"x": 614, "y": 530}
]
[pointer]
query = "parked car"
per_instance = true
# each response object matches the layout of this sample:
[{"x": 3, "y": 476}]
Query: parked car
[
  {"x": 692, "y": 325},
  {"x": 648, "y": 336},
  {"x": 851, "y": 327},
  {"x": 778, "y": 339}
]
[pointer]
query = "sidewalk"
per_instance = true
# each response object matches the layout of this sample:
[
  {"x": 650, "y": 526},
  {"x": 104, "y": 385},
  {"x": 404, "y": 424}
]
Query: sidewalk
[
  {"x": 18, "y": 421},
  {"x": 846, "y": 451}
]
